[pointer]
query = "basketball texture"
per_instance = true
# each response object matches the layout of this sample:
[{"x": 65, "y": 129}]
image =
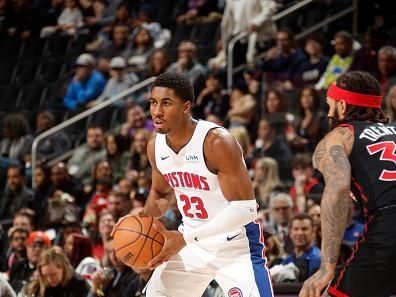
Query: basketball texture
[{"x": 136, "y": 242}]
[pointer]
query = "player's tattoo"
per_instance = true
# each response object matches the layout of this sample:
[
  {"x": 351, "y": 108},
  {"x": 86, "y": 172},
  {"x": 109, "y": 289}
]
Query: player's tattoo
[
  {"x": 335, "y": 201},
  {"x": 319, "y": 152}
]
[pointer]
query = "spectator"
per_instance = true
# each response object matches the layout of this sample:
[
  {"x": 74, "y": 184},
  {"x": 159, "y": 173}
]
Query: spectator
[
  {"x": 119, "y": 280},
  {"x": 305, "y": 255},
  {"x": 78, "y": 248},
  {"x": 242, "y": 106},
  {"x": 63, "y": 182},
  {"x": 138, "y": 162},
  {"x": 135, "y": 119},
  {"x": 266, "y": 181},
  {"x": 390, "y": 102},
  {"x": 69, "y": 21},
  {"x": 386, "y": 67},
  {"x": 268, "y": 144},
  {"x": 106, "y": 223},
  {"x": 306, "y": 189},
  {"x": 354, "y": 228},
  {"x": 83, "y": 158},
  {"x": 158, "y": 62},
  {"x": 22, "y": 272},
  {"x": 241, "y": 135},
  {"x": 314, "y": 213},
  {"x": 118, "y": 46},
  {"x": 16, "y": 250},
  {"x": 124, "y": 186},
  {"x": 56, "y": 277},
  {"x": 119, "y": 204},
  {"x": 273, "y": 248},
  {"x": 42, "y": 190},
  {"x": 247, "y": 16},
  {"x": 310, "y": 71},
  {"x": 187, "y": 65},
  {"x": 116, "y": 155},
  {"x": 120, "y": 81},
  {"x": 282, "y": 61},
  {"x": 311, "y": 124},
  {"x": 275, "y": 104},
  {"x": 16, "y": 194},
  {"x": 87, "y": 84},
  {"x": 24, "y": 218},
  {"x": 213, "y": 99},
  {"x": 280, "y": 216},
  {"x": 17, "y": 140},
  {"x": 141, "y": 49},
  {"x": 53, "y": 145},
  {"x": 339, "y": 62}
]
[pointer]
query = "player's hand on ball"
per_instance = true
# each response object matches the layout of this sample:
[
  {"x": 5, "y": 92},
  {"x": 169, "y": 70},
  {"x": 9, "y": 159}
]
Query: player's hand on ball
[
  {"x": 174, "y": 242},
  {"x": 316, "y": 283}
]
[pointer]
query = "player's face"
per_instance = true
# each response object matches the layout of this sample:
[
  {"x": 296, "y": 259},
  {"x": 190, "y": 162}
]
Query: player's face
[
  {"x": 336, "y": 111},
  {"x": 168, "y": 111}
]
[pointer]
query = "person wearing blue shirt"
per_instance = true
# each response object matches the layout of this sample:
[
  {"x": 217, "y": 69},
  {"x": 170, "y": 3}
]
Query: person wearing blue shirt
[
  {"x": 305, "y": 255},
  {"x": 87, "y": 84}
]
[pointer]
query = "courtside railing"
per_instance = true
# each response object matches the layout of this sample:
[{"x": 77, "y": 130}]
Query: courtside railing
[{"x": 231, "y": 70}]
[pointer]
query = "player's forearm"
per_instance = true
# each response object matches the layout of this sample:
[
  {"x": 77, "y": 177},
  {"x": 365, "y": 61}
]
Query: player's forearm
[
  {"x": 334, "y": 216},
  {"x": 237, "y": 214}
]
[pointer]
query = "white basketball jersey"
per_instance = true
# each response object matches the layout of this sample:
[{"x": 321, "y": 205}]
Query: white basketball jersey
[{"x": 197, "y": 190}]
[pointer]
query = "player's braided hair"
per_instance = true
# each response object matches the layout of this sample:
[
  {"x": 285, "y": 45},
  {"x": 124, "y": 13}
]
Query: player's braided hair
[
  {"x": 364, "y": 83},
  {"x": 176, "y": 82}
]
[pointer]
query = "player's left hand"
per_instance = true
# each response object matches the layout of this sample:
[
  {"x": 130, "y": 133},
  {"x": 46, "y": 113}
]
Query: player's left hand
[
  {"x": 174, "y": 242},
  {"x": 316, "y": 283}
]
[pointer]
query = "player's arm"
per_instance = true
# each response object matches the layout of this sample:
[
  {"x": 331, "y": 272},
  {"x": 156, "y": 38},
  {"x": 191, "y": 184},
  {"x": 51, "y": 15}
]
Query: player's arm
[
  {"x": 331, "y": 158},
  {"x": 224, "y": 157},
  {"x": 161, "y": 193}
]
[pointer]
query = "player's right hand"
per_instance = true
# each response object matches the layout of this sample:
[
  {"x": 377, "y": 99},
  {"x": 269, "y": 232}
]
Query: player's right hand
[
  {"x": 174, "y": 242},
  {"x": 314, "y": 286}
]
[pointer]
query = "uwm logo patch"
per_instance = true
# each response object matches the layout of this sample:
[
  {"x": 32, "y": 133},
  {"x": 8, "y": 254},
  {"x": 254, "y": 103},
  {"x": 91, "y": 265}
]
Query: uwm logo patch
[
  {"x": 235, "y": 292},
  {"x": 191, "y": 158}
]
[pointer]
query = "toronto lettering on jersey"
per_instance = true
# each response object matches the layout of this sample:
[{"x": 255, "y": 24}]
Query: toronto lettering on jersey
[
  {"x": 187, "y": 180},
  {"x": 373, "y": 133}
]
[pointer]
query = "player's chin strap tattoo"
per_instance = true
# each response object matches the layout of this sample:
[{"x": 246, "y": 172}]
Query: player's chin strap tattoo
[{"x": 235, "y": 215}]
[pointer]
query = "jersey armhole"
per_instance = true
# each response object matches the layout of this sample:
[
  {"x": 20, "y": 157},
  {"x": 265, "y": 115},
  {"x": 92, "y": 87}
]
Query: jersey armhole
[{"x": 203, "y": 148}]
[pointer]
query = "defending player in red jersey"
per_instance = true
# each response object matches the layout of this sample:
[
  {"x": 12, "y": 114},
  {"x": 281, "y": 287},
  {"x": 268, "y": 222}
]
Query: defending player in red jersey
[{"x": 358, "y": 155}]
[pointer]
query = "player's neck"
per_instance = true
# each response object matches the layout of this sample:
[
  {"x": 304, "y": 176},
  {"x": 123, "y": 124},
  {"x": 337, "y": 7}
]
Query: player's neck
[{"x": 178, "y": 139}]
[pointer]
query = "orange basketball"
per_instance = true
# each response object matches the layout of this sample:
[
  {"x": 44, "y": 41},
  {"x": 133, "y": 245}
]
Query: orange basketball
[{"x": 136, "y": 242}]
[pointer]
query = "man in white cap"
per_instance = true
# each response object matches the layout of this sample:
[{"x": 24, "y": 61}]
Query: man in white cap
[{"x": 87, "y": 84}]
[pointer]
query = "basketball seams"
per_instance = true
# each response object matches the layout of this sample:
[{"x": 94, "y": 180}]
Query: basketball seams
[
  {"x": 133, "y": 231},
  {"x": 140, "y": 254},
  {"x": 144, "y": 243}
]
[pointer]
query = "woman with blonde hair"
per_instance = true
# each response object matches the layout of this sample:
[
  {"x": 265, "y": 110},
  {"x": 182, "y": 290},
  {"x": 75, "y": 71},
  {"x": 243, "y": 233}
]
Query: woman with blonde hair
[
  {"x": 266, "y": 180},
  {"x": 56, "y": 277}
]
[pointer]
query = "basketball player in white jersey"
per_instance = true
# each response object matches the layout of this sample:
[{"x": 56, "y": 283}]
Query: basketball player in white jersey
[{"x": 201, "y": 164}]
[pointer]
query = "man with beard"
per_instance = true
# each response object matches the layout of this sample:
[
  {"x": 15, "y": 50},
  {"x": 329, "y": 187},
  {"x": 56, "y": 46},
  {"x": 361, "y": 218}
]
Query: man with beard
[{"x": 357, "y": 156}]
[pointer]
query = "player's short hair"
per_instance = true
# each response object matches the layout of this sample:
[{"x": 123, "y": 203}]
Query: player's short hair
[{"x": 176, "y": 82}]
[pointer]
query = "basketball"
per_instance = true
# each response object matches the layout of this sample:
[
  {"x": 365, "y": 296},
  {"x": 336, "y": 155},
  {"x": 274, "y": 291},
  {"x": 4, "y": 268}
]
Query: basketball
[{"x": 136, "y": 242}]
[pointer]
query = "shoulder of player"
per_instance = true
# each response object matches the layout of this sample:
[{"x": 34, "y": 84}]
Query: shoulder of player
[
  {"x": 342, "y": 135},
  {"x": 218, "y": 139},
  {"x": 220, "y": 145}
]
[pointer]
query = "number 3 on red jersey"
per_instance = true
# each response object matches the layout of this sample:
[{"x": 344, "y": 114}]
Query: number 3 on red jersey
[
  {"x": 387, "y": 149},
  {"x": 200, "y": 212}
]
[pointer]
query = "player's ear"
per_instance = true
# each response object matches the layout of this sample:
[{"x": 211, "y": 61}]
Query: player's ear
[
  {"x": 343, "y": 106},
  {"x": 187, "y": 107}
]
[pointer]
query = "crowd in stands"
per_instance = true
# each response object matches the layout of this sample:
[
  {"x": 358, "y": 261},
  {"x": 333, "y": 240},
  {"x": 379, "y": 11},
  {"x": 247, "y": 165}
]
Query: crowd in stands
[{"x": 60, "y": 58}]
